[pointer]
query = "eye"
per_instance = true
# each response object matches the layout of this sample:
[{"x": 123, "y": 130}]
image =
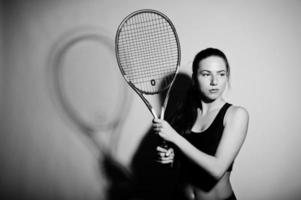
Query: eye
[
  {"x": 222, "y": 74},
  {"x": 205, "y": 74}
]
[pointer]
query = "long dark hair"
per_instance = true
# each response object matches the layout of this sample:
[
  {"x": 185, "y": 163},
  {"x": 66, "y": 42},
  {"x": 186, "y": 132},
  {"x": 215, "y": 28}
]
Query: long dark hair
[{"x": 186, "y": 114}]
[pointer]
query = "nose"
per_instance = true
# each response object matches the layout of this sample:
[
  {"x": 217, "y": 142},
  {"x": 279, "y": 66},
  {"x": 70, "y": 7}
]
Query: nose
[{"x": 213, "y": 80}]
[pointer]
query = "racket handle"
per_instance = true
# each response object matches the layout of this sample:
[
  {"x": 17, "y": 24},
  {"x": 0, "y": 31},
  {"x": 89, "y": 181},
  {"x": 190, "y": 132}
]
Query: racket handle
[
  {"x": 162, "y": 112},
  {"x": 154, "y": 113},
  {"x": 164, "y": 143}
]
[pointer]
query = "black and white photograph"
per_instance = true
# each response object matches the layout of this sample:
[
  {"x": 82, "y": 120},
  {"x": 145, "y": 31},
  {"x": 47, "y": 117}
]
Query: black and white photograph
[{"x": 150, "y": 100}]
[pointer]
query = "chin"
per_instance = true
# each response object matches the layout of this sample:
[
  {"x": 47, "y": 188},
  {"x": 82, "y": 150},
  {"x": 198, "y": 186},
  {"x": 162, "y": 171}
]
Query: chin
[{"x": 211, "y": 97}]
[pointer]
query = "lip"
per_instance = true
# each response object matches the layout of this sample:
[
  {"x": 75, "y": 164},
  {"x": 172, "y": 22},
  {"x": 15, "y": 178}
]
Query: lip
[{"x": 214, "y": 90}]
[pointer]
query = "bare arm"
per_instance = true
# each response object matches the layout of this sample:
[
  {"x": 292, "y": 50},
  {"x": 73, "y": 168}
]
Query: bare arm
[{"x": 236, "y": 125}]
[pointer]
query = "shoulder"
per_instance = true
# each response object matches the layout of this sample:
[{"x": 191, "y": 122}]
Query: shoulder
[
  {"x": 236, "y": 114},
  {"x": 236, "y": 121}
]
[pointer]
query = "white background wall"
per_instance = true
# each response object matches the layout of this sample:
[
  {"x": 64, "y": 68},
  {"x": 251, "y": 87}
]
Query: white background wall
[
  {"x": 1, "y": 55},
  {"x": 42, "y": 157}
]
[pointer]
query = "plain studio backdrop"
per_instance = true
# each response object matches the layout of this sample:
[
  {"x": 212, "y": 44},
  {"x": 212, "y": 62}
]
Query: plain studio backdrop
[{"x": 43, "y": 156}]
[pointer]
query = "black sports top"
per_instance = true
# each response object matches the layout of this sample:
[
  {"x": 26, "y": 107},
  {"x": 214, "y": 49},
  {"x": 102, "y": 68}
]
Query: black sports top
[{"x": 207, "y": 141}]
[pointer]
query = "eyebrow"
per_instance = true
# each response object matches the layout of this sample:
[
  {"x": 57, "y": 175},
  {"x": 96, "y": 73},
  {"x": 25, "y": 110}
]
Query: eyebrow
[{"x": 220, "y": 71}]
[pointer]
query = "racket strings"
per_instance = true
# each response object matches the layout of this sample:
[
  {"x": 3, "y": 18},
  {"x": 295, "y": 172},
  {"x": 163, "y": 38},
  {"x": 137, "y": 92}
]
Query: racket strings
[
  {"x": 154, "y": 49},
  {"x": 168, "y": 64},
  {"x": 148, "y": 51},
  {"x": 135, "y": 75}
]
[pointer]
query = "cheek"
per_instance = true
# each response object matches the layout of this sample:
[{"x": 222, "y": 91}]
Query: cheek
[
  {"x": 224, "y": 83},
  {"x": 203, "y": 81},
  {"x": 203, "y": 84}
]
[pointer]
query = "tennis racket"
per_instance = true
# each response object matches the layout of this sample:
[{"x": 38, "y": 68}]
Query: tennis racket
[
  {"x": 148, "y": 54},
  {"x": 83, "y": 64}
]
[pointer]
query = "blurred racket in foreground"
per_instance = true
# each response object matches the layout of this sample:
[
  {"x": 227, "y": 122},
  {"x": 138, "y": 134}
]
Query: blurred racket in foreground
[
  {"x": 88, "y": 87},
  {"x": 148, "y": 54}
]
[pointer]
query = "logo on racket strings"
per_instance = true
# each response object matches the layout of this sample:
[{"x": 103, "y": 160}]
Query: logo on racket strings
[{"x": 153, "y": 82}]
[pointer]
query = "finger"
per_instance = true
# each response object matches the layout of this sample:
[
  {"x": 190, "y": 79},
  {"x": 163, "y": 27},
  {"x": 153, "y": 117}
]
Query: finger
[
  {"x": 171, "y": 156},
  {"x": 155, "y": 125},
  {"x": 161, "y": 149},
  {"x": 168, "y": 152},
  {"x": 166, "y": 158},
  {"x": 156, "y": 129},
  {"x": 161, "y": 154},
  {"x": 156, "y": 120},
  {"x": 165, "y": 161},
  {"x": 161, "y": 134}
]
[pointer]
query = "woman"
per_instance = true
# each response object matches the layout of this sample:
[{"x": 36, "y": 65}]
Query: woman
[{"x": 207, "y": 131}]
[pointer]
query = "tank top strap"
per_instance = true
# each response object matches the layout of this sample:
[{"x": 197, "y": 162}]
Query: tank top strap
[{"x": 223, "y": 111}]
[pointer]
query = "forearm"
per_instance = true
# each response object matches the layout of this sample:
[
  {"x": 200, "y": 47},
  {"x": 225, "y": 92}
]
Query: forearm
[
  {"x": 211, "y": 164},
  {"x": 214, "y": 165},
  {"x": 233, "y": 136}
]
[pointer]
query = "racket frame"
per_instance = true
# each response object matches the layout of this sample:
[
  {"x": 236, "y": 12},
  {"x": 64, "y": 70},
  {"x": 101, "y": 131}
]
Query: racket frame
[{"x": 137, "y": 90}]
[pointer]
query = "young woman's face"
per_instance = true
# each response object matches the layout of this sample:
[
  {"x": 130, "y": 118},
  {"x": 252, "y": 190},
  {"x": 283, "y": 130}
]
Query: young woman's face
[{"x": 212, "y": 77}]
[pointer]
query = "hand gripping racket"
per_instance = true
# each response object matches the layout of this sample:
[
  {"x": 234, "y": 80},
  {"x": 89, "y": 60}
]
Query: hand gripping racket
[{"x": 148, "y": 54}]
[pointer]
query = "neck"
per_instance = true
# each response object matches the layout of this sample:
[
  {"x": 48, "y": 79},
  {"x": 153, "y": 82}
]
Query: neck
[{"x": 211, "y": 106}]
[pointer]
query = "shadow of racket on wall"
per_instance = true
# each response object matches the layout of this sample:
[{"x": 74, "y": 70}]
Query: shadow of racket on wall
[{"x": 90, "y": 92}]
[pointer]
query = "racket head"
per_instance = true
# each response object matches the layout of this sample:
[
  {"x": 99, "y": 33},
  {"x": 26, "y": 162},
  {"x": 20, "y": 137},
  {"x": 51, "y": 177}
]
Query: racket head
[{"x": 148, "y": 51}]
